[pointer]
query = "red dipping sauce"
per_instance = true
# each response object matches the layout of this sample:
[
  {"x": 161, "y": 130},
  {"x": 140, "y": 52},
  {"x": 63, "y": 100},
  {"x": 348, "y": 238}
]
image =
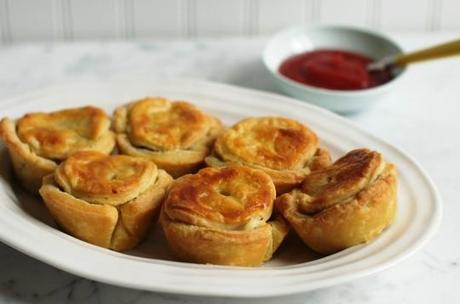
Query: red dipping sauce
[{"x": 333, "y": 69}]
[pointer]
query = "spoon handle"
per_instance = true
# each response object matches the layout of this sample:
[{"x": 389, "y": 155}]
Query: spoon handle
[{"x": 448, "y": 49}]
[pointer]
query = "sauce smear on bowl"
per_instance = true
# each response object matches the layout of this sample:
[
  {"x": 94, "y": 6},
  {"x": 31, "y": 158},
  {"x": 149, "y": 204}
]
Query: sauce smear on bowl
[{"x": 333, "y": 69}]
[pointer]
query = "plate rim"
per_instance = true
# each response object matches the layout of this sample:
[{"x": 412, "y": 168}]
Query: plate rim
[{"x": 430, "y": 230}]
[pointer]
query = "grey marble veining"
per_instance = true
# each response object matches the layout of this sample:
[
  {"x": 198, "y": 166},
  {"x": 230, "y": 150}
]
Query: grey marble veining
[{"x": 421, "y": 118}]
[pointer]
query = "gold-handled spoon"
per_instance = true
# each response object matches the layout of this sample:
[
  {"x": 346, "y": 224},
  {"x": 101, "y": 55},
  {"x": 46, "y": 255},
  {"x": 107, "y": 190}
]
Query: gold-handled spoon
[{"x": 448, "y": 49}]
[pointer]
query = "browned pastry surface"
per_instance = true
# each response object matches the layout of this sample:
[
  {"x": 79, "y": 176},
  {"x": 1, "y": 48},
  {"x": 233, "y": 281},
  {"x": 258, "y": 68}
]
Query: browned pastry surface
[
  {"x": 176, "y": 135},
  {"x": 112, "y": 180},
  {"x": 59, "y": 134},
  {"x": 348, "y": 203},
  {"x": 219, "y": 216},
  {"x": 282, "y": 147}
]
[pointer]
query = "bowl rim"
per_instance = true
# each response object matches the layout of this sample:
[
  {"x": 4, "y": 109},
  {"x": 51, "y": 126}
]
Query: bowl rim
[{"x": 312, "y": 89}]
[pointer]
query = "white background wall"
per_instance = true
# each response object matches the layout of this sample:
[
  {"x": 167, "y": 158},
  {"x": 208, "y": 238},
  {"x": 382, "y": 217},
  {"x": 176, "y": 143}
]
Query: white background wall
[{"x": 26, "y": 20}]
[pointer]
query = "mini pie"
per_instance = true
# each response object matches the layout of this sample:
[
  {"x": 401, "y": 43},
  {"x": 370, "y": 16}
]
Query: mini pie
[
  {"x": 106, "y": 200},
  {"x": 177, "y": 136},
  {"x": 220, "y": 216},
  {"x": 37, "y": 142},
  {"x": 348, "y": 203},
  {"x": 284, "y": 148}
]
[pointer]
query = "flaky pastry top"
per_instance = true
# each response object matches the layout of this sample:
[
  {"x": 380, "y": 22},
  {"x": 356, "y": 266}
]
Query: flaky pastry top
[
  {"x": 105, "y": 179},
  {"x": 159, "y": 124},
  {"x": 57, "y": 135},
  {"x": 272, "y": 142},
  {"x": 340, "y": 182},
  {"x": 233, "y": 197}
]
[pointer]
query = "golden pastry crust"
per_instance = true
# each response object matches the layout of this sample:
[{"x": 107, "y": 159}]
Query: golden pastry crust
[
  {"x": 282, "y": 147},
  {"x": 346, "y": 204},
  {"x": 106, "y": 200},
  {"x": 99, "y": 179},
  {"x": 37, "y": 142},
  {"x": 177, "y": 136},
  {"x": 59, "y": 134},
  {"x": 221, "y": 216}
]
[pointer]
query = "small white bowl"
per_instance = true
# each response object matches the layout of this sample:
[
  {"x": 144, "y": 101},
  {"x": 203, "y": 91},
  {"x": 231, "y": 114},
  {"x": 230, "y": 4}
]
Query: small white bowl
[{"x": 301, "y": 39}]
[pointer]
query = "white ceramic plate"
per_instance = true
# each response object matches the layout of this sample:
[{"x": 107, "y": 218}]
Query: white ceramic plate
[{"x": 26, "y": 226}]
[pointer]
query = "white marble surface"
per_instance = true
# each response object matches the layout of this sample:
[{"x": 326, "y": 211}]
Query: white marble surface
[{"x": 422, "y": 118}]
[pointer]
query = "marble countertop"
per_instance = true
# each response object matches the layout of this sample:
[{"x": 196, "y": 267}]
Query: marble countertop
[{"x": 422, "y": 118}]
